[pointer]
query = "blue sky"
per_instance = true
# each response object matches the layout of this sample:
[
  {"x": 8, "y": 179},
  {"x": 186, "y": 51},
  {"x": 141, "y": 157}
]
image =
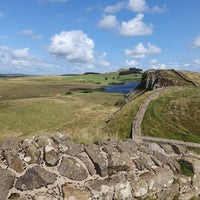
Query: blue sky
[{"x": 75, "y": 36}]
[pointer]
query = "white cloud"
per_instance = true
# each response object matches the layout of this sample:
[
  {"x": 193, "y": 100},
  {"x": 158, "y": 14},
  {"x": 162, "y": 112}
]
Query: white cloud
[
  {"x": 109, "y": 21},
  {"x": 159, "y": 66},
  {"x": 157, "y": 9},
  {"x": 137, "y": 5},
  {"x": 135, "y": 27},
  {"x": 20, "y": 53},
  {"x": 15, "y": 57},
  {"x": 26, "y": 32},
  {"x": 131, "y": 63},
  {"x": 193, "y": 65},
  {"x": 29, "y": 32},
  {"x": 20, "y": 61},
  {"x": 140, "y": 51},
  {"x": 197, "y": 61},
  {"x": 102, "y": 62},
  {"x": 154, "y": 61},
  {"x": 196, "y": 42},
  {"x": 114, "y": 8},
  {"x": 72, "y": 46}
]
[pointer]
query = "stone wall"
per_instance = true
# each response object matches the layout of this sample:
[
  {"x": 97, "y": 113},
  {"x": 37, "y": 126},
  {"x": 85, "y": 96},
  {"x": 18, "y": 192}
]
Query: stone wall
[{"x": 50, "y": 168}]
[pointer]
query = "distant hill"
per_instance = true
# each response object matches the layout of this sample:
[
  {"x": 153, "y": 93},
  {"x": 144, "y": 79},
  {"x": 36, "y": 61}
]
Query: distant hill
[
  {"x": 13, "y": 75},
  {"x": 131, "y": 71}
]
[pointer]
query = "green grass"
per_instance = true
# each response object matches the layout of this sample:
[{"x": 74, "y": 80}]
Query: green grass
[
  {"x": 103, "y": 79},
  {"x": 120, "y": 125},
  {"x": 186, "y": 168},
  {"x": 194, "y": 149},
  {"x": 174, "y": 115},
  {"x": 38, "y": 105}
]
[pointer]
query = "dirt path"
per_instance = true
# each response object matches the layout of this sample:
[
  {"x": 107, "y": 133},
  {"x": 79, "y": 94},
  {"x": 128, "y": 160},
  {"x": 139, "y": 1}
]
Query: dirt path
[{"x": 137, "y": 123}]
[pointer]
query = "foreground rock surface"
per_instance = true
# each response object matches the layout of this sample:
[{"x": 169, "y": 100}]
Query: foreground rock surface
[{"x": 55, "y": 168}]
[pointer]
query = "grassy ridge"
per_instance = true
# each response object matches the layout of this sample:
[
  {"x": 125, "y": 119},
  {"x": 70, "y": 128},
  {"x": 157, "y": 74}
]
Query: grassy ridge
[{"x": 174, "y": 115}]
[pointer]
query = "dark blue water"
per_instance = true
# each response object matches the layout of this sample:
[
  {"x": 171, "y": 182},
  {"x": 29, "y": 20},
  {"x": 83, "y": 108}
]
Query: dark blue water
[{"x": 121, "y": 88}]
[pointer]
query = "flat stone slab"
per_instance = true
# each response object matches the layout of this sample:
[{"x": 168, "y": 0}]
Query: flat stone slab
[
  {"x": 72, "y": 169},
  {"x": 34, "y": 178}
]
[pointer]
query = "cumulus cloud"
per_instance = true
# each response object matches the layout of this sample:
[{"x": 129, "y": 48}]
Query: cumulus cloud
[
  {"x": 135, "y": 27},
  {"x": 131, "y": 63},
  {"x": 137, "y": 5},
  {"x": 159, "y": 66},
  {"x": 9, "y": 56},
  {"x": 154, "y": 61},
  {"x": 196, "y": 42},
  {"x": 193, "y": 65},
  {"x": 20, "y": 61},
  {"x": 20, "y": 53},
  {"x": 72, "y": 46},
  {"x": 140, "y": 51},
  {"x": 102, "y": 62},
  {"x": 109, "y": 21},
  {"x": 114, "y": 8}
]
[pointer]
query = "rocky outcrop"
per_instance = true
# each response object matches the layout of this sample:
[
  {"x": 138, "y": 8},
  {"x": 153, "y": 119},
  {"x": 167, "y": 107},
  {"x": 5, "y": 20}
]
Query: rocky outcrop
[
  {"x": 56, "y": 168},
  {"x": 154, "y": 79}
]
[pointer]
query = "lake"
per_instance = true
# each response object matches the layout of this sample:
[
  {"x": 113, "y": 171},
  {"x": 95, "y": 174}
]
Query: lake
[{"x": 121, "y": 88}]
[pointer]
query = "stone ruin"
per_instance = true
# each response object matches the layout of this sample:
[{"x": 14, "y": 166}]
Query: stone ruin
[{"x": 55, "y": 168}]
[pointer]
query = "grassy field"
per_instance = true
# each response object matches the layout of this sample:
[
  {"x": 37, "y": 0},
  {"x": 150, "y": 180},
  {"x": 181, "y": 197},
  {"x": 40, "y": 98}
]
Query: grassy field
[
  {"x": 69, "y": 104},
  {"x": 75, "y": 106},
  {"x": 174, "y": 115}
]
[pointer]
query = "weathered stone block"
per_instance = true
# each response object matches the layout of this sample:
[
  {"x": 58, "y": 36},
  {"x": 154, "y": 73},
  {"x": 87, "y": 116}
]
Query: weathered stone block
[
  {"x": 71, "y": 192},
  {"x": 100, "y": 189},
  {"x": 72, "y": 169},
  {"x": 34, "y": 178},
  {"x": 98, "y": 159},
  {"x": 14, "y": 161},
  {"x": 50, "y": 156},
  {"x": 7, "y": 179},
  {"x": 45, "y": 140},
  {"x": 123, "y": 191},
  {"x": 32, "y": 154},
  {"x": 119, "y": 162},
  {"x": 164, "y": 177}
]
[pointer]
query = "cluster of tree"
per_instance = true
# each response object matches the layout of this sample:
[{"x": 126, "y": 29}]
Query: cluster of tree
[
  {"x": 87, "y": 73},
  {"x": 131, "y": 71}
]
